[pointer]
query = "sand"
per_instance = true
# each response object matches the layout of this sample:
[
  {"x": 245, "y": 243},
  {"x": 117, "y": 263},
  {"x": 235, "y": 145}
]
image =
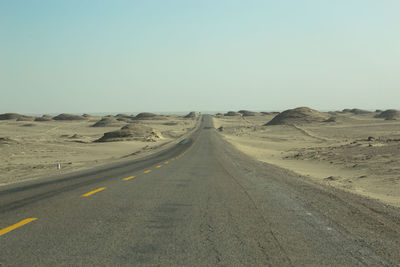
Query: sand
[
  {"x": 132, "y": 132},
  {"x": 355, "y": 152},
  {"x": 247, "y": 113},
  {"x": 390, "y": 114},
  {"x": 69, "y": 117},
  {"x": 109, "y": 122},
  {"x": 302, "y": 115},
  {"x": 33, "y": 151},
  {"x": 191, "y": 115},
  {"x": 232, "y": 113}
]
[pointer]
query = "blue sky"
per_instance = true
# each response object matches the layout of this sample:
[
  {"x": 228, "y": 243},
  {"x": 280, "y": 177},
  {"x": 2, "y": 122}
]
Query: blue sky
[{"x": 131, "y": 56}]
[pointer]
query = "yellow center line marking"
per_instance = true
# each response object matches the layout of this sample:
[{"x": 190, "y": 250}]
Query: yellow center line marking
[
  {"x": 93, "y": 192},
  {"x": 128, "y": 178},
  {"x": 172, "y": 159},
  {"x": 159, "y": 166},
  {"x": 147, "y": 171},
  {"x": 166, "y": 162},
  {"x": 15, "y": 226}
]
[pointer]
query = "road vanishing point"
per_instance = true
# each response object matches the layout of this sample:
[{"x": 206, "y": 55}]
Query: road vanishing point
[{"x": 198, "y": 203}]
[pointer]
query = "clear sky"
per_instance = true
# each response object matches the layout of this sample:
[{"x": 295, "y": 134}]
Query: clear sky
[{"x": 179, "y": 55}]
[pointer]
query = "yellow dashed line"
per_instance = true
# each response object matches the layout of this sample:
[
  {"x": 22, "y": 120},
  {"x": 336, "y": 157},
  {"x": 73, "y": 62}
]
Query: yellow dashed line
[
  {"x": 159, "y": 166},
  {"x": 93, "y": 192},
  {"x": 166, "y": 162},
  {"x": 147, "y": 171},
  {"x": 128, "y": 178},
  {"x": 15, "y": 226}
]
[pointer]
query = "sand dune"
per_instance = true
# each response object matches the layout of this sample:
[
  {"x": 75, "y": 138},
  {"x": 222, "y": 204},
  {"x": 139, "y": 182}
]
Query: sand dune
[
  {"x": 148, "y": 116},
  {"x": 68, "y": 117},
  {"x": 108, "y": 122},
  {"x": 34, "y": 151},
  {"x": 130, "y": 132},
  {"x": 357, "y": 111},
  {"x": 247, "y": 113},
  {"x": 232, "y": 113},
  {"x": 300, "y": 115},
  {"x": 356, "y": 152},
  {"x": 390, "y": 114},
  {"x": 15, "y": 116},
  {"x": 191, "y": 114},
  {"x": 44, "y": 118}
]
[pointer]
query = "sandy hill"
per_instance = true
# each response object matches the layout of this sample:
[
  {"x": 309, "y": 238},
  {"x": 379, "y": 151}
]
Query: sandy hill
[
  {"x": 145, "y": 115},
  {"x": 356, "y": 111},
  {"x": 247, "y": 113},
  {"x": 191, "y": 115},
  {"x": 44, "y": 118},
  {"x": 15, "y": 116},
  {"x": 232, "y": 113},
  {"x": 340, "y": 118},
  {"x": 131, "y": 132},
  {"x": 107, "y": 122},
  {"x": 266, "y": 113},
  {"x": 300, "y": 115},
  {"x": 390, "y": 114},
  {"x": 124, "y": 117},
  {"x": 149, "y": 116},
  {"x": 68, "y": 117}
]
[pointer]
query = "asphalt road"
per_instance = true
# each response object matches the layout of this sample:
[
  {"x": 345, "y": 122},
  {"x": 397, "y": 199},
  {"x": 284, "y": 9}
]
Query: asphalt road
[{"x": 200, "y": 203}]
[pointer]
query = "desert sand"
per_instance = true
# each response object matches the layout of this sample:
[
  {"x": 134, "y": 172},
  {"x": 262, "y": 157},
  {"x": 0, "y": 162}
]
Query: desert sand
[
  {"x": 31, "y": 147},
  {"x": 353, "y": 149}
]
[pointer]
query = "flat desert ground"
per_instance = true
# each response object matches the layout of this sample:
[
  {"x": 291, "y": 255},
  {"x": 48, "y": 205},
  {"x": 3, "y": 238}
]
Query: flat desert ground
[
  {"x": 30, "y": 149},
  {"x": 355, "y": 152}
]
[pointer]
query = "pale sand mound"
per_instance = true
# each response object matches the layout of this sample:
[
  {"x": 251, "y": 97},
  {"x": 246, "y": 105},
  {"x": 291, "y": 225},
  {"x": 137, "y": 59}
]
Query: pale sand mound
[
  {"x": 26, "y": 118},
  {"x": 149, "y": 116},
  {"x": 15, "y": 116},
  {"x": 300, "y": 115},
  {"x": 247, "y": 113},
  {"x": 356, "y": 111},
  {"x": 132, "y": 132},
  {"x": 68, "y": 117},
  {"x": 107, "y": 122},
  {"x": 337, "y": 118},
  {"x": 124, "y": 117},
  {"x": 390, "y": 114},
  {"x": 191, "y": 115},
  {"x": 232, "y": 113},
  {"x": 145, "y": 115},
  {"x": 44, "y": 118}
]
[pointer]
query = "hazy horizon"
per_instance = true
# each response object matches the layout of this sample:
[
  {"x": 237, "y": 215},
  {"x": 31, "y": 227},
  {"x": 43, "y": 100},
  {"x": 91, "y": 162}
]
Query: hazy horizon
[{"x": 170, "y": 56}]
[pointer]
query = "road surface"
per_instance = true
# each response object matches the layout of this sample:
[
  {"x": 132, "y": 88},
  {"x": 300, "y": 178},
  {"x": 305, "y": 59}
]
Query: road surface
[{"x": 200, "y": 203}]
